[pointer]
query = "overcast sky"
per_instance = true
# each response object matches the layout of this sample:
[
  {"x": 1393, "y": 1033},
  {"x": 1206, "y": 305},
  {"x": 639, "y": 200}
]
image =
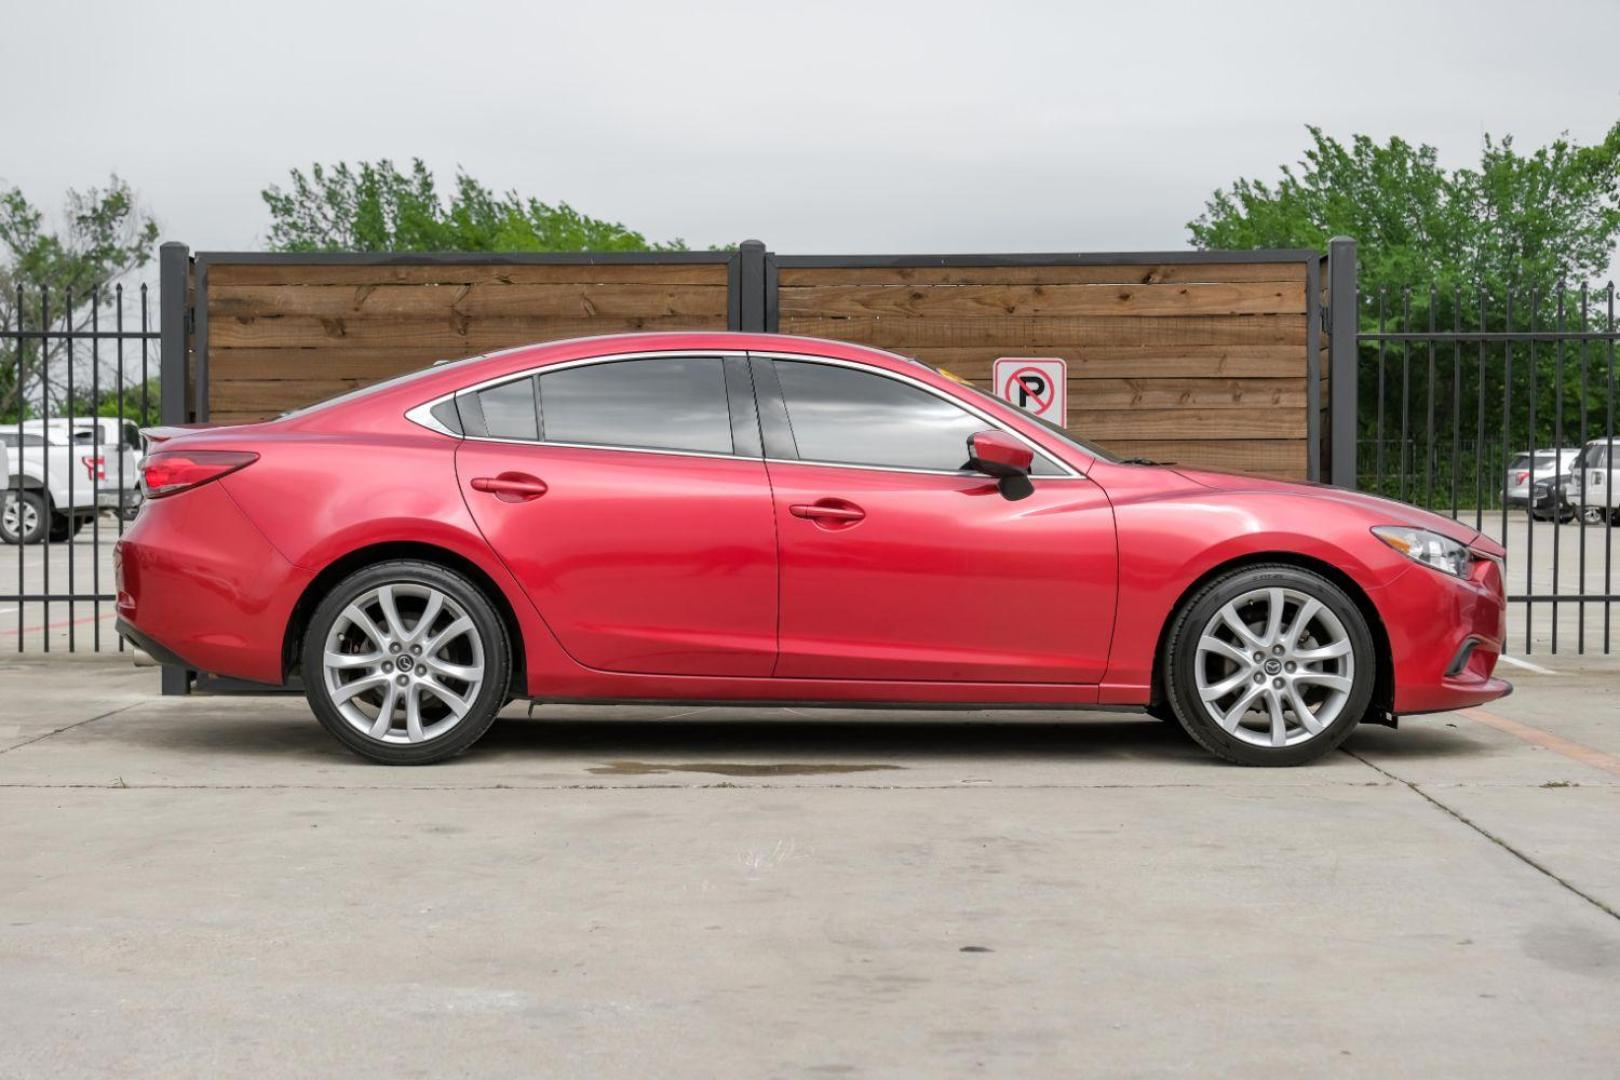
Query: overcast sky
[{"x": 816, "y": 127}]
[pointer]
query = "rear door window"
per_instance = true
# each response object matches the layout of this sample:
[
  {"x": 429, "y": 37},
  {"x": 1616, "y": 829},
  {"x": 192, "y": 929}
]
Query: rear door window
[{"x": 657, "y": 403}]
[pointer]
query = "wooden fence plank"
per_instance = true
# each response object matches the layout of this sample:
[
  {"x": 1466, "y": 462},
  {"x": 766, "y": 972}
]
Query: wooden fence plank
[
  {"x": 452, "y": 334},
  {"x": 321, "y": 363},
  {"x": 997, "y": 301},
  {"x": 1020, "y": 335},
  {"x": 1093, "y": 394},
  {"x": 298, "y": 275},
  {"x": 577, "y": 301},
  {"x": 1188, "y": 423},
  {"x": 1144, "y": 274},
  {"x": 272, "y": 397},
  {"x": 1283, "y": 458},
  {"x": 1134, "y": 361}
]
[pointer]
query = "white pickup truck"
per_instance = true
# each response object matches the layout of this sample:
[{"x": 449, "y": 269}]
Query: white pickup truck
[{"x": 62, "y": 472}]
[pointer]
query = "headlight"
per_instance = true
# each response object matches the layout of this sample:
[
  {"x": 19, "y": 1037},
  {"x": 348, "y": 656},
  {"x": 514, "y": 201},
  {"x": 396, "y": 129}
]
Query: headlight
[{"x": 1428, "y": 548}]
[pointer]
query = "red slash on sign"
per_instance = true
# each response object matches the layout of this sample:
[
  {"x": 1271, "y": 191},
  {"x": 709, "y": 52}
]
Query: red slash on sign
[{"x": 1038, "y": 386}]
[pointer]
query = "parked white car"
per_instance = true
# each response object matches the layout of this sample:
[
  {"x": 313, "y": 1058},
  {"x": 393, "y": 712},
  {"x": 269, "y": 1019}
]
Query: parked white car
[
  {"x": 62, "y": 472},
  {"x": 1590, "y": 489},
  {"x": 1531, "y": 469}
]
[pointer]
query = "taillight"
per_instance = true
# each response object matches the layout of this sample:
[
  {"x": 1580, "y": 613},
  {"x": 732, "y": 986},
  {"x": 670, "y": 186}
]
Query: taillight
[
  {"x": 172, "y": 471},
  {"x": 1520, "y": 478}
]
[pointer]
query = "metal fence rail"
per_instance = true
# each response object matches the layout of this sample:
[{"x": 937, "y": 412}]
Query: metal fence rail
[
  {"x": 1458, "y": 389},
  {"x": 78, "y": 378}
]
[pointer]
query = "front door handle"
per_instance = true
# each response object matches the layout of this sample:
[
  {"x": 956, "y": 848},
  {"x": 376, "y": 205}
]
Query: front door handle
[
  {"x": 832, "y": 512},
  {"x": 511, "y": 487}
]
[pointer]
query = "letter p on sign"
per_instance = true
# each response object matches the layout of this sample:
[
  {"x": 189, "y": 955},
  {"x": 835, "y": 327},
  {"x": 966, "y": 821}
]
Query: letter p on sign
[{"x": 1036, "y": 385}]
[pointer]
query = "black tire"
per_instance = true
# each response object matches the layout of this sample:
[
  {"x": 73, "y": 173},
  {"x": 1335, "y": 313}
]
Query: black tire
[
  {"x": 492, "y": 692},
  {"x": 67, "y": 526},
  {"x": 1181, "y": 656},
  {"x": 36, "y": 508}
]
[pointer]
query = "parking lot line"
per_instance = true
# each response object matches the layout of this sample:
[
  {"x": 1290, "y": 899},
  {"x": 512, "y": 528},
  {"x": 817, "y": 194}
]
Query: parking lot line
[
  {"x": 1575, "y": 751},
  {"x": 1526, "y": 665}
]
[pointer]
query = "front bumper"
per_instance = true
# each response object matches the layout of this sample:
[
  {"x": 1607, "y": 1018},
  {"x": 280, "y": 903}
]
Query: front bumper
[{"x": 1445, "y": 637}]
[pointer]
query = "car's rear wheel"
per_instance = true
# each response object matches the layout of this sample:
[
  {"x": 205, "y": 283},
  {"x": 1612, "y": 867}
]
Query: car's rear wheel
[
  {"x": 1270, "y": 665},
  {"x": 406, "y": 663},
  {"x": 24, "y": 516}
]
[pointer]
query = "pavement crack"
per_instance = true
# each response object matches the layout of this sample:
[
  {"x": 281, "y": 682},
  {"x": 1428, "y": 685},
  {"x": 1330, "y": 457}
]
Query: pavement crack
[
  {"x": 1487, "y": 834},
  {"x": 70, "y": 727}
]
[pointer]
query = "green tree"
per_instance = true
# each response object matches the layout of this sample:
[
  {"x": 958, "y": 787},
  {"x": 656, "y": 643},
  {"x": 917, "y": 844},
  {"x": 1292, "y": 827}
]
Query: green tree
[
  {"x": 105, "y": 235},
  {"x": 1526, "y": 220},
  {"x": 373, "y": 206},
  {"x": 1452, "y": 248}
]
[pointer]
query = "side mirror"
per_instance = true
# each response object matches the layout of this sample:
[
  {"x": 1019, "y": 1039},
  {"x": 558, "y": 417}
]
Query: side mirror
[{"x": 997, "y": 454}]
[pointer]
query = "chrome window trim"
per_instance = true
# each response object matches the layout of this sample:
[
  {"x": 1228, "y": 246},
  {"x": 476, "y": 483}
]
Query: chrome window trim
[
  {"x": 614, "y": 449},
  {"x": 1069, "y": 472},
  {"x": 422, "y": 414}
]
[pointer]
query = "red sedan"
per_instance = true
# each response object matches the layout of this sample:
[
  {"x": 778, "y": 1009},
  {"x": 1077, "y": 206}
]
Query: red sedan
[{"x": 728, "y": 518}]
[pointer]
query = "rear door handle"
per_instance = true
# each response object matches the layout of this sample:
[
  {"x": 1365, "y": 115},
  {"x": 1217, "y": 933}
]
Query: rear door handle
[
  {"x": 511, "y": 486},
  {"x": 833, "y": 511}
]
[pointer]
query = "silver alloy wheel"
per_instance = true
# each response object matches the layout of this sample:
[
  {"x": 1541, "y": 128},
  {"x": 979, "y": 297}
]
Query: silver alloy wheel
[
  {"x": 19, "y": 517},
  {"x": 1274, "y": 667},
  {"x": 403, "y": 663}
]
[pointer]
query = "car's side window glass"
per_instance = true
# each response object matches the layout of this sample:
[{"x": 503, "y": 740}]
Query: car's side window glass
[
  {"x": 508, "y": 410},
  {"x": 849, "y": 417},
  {"x": 659, "y": 403}
]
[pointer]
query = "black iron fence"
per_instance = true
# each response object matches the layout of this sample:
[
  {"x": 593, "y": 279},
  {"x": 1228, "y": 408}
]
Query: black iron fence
[
  {"x": 1493, "y": 405},
  {"x": 78, "y": 379},
  {"x": 1496, "y": 406}
]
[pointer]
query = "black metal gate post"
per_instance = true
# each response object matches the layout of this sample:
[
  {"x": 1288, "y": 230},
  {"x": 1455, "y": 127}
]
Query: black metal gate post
[
  {"x": 751, "y": 284},
  {"x": 174, "y": 262},
  {"x": 1342, "y": 374}
]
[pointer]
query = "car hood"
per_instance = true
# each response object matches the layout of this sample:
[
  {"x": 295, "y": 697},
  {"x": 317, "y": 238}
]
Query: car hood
[{"x": 1396, "y": 513}]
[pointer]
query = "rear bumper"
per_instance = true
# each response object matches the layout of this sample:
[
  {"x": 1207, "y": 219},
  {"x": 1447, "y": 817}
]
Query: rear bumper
[
  {"x": 199, "y": 585},
  {"x": 156, "y": 650}
]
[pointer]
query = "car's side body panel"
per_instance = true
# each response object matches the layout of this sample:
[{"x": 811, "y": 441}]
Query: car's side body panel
[
  {"x": 943, "y": 578},
  {"x": 641, "y": 562}
]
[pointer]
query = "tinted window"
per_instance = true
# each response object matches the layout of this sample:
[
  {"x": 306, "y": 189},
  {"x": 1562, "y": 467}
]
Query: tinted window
[
  {"x": 666, "y": 403},
  {"x": 509, "y": 410},
  {"x": 853, "y": 417},
  {"x": 10, "y": 439}
]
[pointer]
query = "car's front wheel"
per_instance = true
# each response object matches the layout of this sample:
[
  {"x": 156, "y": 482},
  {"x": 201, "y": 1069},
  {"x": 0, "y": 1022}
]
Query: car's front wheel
[
  {"x": 406, "y": 663},
  {"x": 1270, "y": 665}
]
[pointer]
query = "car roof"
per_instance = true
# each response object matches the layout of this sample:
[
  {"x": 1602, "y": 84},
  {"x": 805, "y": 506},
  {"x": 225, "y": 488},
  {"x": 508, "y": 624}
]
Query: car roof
[{"x": 444, "y": 378}]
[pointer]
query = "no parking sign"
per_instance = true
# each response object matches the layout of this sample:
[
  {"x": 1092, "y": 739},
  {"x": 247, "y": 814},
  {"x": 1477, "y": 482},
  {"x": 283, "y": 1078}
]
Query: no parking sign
[{"x": 1036, "y": 385}]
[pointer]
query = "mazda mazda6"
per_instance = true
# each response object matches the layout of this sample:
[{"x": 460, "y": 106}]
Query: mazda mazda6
[{"x": 750, "y": 518}]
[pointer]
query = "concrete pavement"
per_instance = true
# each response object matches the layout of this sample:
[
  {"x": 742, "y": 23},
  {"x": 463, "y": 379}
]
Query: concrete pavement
[{"x": 213, "y": 887}]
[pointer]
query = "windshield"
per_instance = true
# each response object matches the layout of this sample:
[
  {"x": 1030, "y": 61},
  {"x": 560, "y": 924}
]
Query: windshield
[
  {"x": 1061, "y": 432},
  {"x": 1594, "y": 457}
]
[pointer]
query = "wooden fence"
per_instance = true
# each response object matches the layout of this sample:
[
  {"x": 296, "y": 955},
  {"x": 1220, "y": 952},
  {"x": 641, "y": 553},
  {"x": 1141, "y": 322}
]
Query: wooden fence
[
  {"x": 1203, "y": 363},
  {"x": 1206, "y": 360}
]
